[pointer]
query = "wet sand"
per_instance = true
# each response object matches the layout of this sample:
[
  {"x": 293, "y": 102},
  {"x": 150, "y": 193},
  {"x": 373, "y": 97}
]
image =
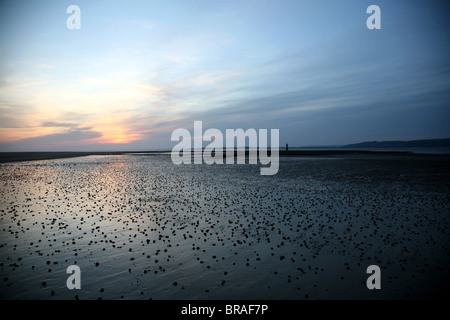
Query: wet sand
[
  {"x": 32, "y": 156},
  {"x": 140, "y": 227}
]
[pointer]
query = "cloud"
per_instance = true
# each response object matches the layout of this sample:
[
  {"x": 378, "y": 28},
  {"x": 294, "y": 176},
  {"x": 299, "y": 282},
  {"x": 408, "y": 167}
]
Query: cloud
[
  {"x": 14, "y": 115},
  {"x": 58, "y": 124},
  {"x": 45, "y": 66},
  {"x": 61, "y": 141},
  {"x": 11, "y": 122},
  {"x": 3, "y": 83},
  {"x": 144, "y": 24},
  {"x": 137, "y": 75}
]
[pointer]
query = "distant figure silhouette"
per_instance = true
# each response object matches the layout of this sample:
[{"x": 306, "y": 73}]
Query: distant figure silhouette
[{"x": 287, "y": 148}]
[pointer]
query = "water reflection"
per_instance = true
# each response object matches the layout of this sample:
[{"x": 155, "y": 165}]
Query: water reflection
[{"x": 137, "y": 224}]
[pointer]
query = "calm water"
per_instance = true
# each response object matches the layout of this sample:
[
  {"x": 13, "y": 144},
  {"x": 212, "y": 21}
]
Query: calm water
[
  {"x": 140, "y": 227},
  {"x": 442, "y": 150}
]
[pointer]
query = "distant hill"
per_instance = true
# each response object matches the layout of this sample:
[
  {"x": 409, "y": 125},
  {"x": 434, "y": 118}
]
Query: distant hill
[{"x": 431, "y": 143}]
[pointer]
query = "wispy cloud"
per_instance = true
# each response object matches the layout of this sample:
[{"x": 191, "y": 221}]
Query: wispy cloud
[
  {"x": 61, "y": 141},
  {"x": 45, "y": 66},
  {"x": 313, "y": 71},
  {"x": 58, "y": 124},
  {"x": 147, "y": 25}
]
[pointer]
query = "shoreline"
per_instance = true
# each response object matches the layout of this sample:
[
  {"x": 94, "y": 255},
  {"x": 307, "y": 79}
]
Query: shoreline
[{"x": 8, "y": 157}]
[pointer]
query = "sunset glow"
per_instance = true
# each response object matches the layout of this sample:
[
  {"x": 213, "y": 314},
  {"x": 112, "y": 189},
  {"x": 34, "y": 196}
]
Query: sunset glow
[{"x": 133, "y": 73}]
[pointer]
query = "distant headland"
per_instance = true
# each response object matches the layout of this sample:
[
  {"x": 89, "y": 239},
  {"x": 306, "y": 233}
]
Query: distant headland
[{"x": 430, "y": 143}]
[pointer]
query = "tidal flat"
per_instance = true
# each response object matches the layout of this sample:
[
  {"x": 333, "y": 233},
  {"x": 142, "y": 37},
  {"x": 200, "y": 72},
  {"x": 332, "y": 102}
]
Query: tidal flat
[{"x": 140, "y": 227}]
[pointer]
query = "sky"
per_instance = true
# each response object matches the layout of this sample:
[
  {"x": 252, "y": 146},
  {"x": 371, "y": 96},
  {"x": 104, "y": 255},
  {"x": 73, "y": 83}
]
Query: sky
[{"x": 137, "y": 70}]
